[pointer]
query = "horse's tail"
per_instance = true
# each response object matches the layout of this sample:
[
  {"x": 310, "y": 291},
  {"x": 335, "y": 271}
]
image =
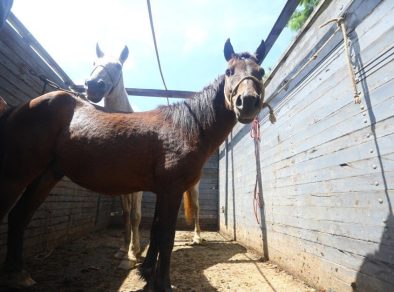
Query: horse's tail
[{"x": 188, "y": 207}]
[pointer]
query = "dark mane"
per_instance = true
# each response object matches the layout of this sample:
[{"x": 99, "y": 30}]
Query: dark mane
[{"x": 196, "y": 114}]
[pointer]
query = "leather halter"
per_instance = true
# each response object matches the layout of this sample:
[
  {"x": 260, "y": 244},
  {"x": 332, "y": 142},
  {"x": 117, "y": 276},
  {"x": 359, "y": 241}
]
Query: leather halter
[{"x": 229, "y": 100}]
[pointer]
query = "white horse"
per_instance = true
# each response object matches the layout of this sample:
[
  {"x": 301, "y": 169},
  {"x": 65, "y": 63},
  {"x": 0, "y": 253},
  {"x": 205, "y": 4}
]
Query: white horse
[{"x": 106, "y": 81}]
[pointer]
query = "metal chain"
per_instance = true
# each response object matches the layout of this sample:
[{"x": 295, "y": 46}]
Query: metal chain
[{"x": 54, "y": 85}]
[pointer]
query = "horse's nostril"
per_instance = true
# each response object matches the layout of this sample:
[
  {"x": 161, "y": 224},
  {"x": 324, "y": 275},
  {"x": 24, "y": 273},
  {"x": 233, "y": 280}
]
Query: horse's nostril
[
  {"x": 89, "y": 83},
  {"x": 238, "y": 102},
  {"x": 101, "y": 84}
]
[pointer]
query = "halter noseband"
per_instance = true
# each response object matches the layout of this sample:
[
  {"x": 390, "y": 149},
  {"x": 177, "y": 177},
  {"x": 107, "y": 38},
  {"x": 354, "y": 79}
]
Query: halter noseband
[
  {"x": 259, "y": 83},
  {"x": 110, "y": 77}
]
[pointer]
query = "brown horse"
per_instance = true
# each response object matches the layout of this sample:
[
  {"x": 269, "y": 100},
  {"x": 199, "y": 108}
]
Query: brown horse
[{"x": 162, "y": 151}]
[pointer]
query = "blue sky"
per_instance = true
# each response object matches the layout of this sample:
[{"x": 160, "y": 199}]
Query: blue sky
[{"x": 190, "y": 36}]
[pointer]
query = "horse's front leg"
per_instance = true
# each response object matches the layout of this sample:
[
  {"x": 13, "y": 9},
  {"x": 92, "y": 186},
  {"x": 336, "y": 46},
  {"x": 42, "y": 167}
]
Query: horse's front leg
[
  {"x": 134, "y": 251},
  {"x": 125, "y": 201},
  {"x": 162, "y": 242},
  {"x": 168, "y": 216}
]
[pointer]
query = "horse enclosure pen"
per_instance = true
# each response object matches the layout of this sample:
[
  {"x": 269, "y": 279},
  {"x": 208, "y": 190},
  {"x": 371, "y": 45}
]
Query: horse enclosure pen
[{"x": 313, "y": 195}]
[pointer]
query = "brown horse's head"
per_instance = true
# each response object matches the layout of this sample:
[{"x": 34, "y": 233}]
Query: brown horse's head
[
  {"x": 105, "y": 76},
  {"x": 243, "y": 90}
]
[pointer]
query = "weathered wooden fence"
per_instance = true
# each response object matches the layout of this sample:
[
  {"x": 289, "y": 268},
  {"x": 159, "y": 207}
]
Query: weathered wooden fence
[
  {"x": 327, "y": 172},
  {"x": 70, "y": 210}
]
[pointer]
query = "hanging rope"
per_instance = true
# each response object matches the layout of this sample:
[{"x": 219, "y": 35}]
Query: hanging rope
[
  {"x": 341, "y": 25},
  {"x": 255, "y": 134},
  {"x": 155, "y": 43},
  {"x": 340, "y": 21}
]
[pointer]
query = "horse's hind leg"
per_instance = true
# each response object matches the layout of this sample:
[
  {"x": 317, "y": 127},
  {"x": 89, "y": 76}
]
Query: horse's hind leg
[
  {"x": 19, "y": 218},
  {"x": 125, "y": 201},
  {"x": 134, "y": 250},
  {"x": 10, "y": 191},
  {"x": 196, "y": 208}
]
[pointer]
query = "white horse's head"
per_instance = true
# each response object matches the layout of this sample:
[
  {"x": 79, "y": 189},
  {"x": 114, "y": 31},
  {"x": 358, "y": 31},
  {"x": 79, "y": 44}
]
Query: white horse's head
[{"x": 106, "y": 75}]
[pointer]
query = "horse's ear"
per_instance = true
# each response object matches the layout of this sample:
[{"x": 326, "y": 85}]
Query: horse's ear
[
  {"x": 260, "y": 52},
  {"x": 124, "y": 54},
  {"x": 228, "y": 50},
  {"x": 99, "y": 52}
]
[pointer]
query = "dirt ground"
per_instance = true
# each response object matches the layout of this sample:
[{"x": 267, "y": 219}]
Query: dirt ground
[{"x": 217, "y": 265}]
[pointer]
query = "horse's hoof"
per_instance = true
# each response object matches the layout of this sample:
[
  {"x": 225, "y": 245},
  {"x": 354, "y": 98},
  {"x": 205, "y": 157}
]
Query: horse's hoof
[
  {"x": 119, "y": 254},
  {"x": 19, "y": 280},
  {"x": 197, "y": 240},
  {"x": 127, "y": 264}
]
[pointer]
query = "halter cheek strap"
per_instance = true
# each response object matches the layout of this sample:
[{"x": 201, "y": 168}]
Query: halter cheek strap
[{"x": 229, "y": 100}]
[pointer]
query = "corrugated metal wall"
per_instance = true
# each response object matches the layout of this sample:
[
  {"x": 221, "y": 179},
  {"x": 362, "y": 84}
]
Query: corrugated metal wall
[
  {"x": 327, "y": 171},
  {"x": 70, "y": 210}
]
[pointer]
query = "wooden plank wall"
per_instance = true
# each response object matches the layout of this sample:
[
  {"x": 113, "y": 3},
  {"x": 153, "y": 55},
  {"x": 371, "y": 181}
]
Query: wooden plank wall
[
  {"x": 70, "y": 210},
  {"x": 208, "y": 201},
  {"x": 327, "y": 169}
]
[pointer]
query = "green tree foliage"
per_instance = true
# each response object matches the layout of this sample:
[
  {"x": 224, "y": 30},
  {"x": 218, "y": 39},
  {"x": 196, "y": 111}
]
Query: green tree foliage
[{"x": 299, "y": 16}]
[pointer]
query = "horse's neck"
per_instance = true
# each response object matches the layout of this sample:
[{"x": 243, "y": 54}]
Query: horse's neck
[
  {"x": 223, "y": 122},
  {"x": 117, "y": 99},
  {"x": 215, "y": 135}
]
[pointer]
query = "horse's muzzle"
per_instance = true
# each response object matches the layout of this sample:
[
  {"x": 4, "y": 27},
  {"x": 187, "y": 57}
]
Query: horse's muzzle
[
  {"x": 95, "y": 90},
  {"x": 247, "y": 107}
]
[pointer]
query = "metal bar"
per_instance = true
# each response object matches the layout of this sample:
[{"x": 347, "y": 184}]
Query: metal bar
[
  {"x": 151, "y": 92},
  {"x": 280, "y": 23},
  {"x": 160, "y": 93}
]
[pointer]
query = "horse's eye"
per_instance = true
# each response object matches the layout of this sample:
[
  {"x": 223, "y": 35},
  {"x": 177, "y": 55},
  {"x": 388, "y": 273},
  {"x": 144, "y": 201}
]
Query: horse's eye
[
  {"x": 229, "y": 72},
  {"x": 261, "y": 72}
]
